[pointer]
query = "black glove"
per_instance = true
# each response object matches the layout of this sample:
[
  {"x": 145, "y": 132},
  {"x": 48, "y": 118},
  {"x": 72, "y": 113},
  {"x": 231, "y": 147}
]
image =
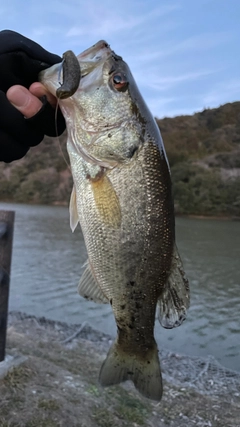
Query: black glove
[{"x": 21, "y": 60}]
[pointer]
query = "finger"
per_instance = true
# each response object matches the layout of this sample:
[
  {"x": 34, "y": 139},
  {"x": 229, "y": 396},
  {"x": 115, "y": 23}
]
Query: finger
[
  {"x": 24, "y": 101},
  {"x": 39, "y": 90}
]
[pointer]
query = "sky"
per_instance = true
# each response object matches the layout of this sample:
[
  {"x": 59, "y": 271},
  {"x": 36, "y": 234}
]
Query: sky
[{"x": 184, "y": 54}]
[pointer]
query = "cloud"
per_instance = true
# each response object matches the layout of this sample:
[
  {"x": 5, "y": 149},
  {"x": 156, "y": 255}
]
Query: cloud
[
  {"x": 199, "y": 42},
  {"x": 45, "y": 31},
  {"x": 161, "y": 105},
  {"x": 171, "y": 106},
  {"x": 204, "y": 41},
  {"x": 157, "y": 82},
  {"x": 106, "y": 24},
  {"x": 221, "y": 93},
  {"x": 104, "y": 28}
]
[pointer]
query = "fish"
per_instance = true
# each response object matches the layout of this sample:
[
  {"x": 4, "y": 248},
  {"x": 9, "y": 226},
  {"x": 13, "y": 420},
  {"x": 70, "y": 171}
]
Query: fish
[{"x": 122, "y": 198}]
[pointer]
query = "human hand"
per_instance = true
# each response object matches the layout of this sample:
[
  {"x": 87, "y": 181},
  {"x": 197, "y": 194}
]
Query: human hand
[
  {"x": 24, "y": 125},
  {"x": 28, "y": 101}
]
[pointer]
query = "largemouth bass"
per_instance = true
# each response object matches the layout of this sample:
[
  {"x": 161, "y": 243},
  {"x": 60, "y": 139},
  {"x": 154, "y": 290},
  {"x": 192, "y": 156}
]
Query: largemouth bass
[{"x": 123, "y": 200}]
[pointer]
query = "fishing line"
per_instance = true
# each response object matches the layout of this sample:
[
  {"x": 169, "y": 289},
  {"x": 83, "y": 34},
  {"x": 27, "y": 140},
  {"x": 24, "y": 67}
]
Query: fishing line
[{"x": 56, "y": 113}]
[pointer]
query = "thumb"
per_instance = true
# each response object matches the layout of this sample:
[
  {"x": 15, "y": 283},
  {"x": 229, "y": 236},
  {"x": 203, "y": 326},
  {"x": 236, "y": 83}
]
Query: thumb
[{"x": 24, "y": 101}]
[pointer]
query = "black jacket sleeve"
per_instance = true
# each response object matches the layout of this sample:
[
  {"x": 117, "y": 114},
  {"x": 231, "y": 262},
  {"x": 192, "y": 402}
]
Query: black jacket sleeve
[{"x": 21, "y": 60}]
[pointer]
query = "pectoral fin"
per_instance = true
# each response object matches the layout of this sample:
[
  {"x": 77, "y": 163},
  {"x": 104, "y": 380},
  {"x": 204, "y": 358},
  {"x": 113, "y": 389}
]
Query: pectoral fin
[
  {"x": 73, "y": 210},
  {"x": 106, "y": 200},
  {"x": 89, "y": 288},
  {"x": 175, "y": 299}
]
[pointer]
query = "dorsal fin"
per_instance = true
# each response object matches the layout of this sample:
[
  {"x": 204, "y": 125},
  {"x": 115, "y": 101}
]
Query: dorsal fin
[{"x": 175, "y": 299}]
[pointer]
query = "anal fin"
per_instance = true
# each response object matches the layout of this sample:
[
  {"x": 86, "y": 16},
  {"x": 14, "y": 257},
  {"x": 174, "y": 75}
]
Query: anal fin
[
  {"x": 175, "y": 299},
  {"x": 88, "y": 287}
]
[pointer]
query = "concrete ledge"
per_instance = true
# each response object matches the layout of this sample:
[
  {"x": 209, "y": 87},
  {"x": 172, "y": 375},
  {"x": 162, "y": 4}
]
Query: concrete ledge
[{"x": 11, "y": 361}]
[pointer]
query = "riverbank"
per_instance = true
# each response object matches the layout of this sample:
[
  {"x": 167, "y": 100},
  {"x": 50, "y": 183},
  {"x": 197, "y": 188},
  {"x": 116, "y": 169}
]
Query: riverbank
[{"x": 57, "y": 384}]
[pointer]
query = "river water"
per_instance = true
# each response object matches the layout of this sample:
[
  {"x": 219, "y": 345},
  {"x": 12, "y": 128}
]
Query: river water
[{"x": 47, "y": 264}]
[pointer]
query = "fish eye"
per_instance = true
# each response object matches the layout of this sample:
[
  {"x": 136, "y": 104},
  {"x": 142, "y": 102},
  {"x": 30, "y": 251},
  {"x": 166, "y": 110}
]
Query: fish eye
[{"x": 120, "y": 81}]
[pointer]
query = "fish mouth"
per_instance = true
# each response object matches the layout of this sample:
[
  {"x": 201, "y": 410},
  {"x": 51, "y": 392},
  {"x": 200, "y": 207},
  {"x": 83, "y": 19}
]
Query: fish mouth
[
  {"x": 93, "y": 57},
  {"x": 89, "y": 60},
  {"x": 72, "y": 71},
  {"x": 96, "y": 52}
]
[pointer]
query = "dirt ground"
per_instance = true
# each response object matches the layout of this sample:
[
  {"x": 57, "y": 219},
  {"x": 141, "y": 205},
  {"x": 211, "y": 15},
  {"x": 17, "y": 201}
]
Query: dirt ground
[{"x": 57, "y": 386}]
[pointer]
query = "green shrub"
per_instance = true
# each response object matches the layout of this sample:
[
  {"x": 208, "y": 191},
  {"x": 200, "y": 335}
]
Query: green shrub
[{"x": 202, "y": 191}]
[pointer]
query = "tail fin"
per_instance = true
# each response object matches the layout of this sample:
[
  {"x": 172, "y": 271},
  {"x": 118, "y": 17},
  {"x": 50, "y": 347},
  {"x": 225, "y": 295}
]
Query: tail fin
[{"x": 145, "y": 372}]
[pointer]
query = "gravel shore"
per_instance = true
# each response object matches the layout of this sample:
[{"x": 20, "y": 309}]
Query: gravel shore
[{"x": 57, "y": 384}]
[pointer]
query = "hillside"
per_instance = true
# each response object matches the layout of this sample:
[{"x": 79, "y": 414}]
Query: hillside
[
  {"x": 204, "y": 155},
  {"x": 203, "y": 151},
  {"x": 42, "y": 176}
]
